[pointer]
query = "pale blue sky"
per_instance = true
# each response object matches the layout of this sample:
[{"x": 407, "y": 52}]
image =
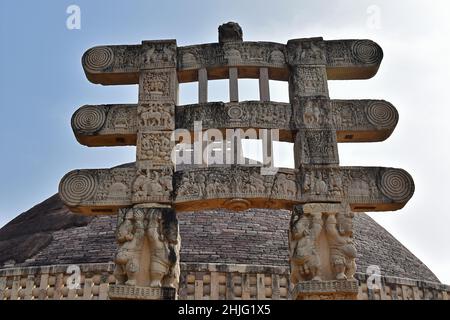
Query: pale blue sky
[{"x": 42, "y": 84}]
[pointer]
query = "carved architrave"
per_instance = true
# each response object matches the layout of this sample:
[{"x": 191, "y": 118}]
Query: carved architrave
[
  {"x": 316, "y": 146},
  {"x": 155, "y": 148},
  {"x": 353, "y": 120},
  {"x": 158, "y": 85},
  {"x": 308, "y": 81},
  {"x": 345, "y": 59},
  {"x": 246, "y": 114},
  {"x": 364, "y": 188}
]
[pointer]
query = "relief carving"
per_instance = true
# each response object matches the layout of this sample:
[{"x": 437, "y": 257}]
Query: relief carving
[
  {"x": 306, "y": 51},
  {"x": 153, "y": 185},
  {"x": 130, "y": 239},
  {"x": 159, "y": 227},
  {"x": 339, "y": 228},
  {"x": 156, "y": 116},
  {"x": 159, "y": 54},
  {"x": 309, "y": 254},
  {"x": 120, "y": 119},
  {"x": 304, "y": 245},
  {"x": 155, "y": 148},
  {"x": 316, "y": 147},
  {"x": 158, "y": 85},
  {"x": 308, "y": 81}
]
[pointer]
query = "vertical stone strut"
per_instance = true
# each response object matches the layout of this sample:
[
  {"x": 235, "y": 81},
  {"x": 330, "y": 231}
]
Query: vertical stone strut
[
  {"x": 147, "y": 234},
  {"x": 321, "y": 246},
  {"x": 315, "y": 142}
]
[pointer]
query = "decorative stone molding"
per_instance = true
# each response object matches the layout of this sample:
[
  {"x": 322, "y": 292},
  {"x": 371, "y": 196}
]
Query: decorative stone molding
[
  {"x": 158, "y": 54},
  {"x": 119, "y": 292},
  {"x": 325, "y": 290},
  {"x": 198, "y": 281}
]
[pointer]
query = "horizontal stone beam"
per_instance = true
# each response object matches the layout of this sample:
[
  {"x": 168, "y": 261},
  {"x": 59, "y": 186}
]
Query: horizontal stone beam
[
  {"x": 121, "y": 64},
  {"x": 243, "y": 187},
  {"x": 353, "y": 120}
]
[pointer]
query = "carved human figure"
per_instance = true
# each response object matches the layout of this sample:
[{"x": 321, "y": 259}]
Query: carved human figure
[
  {"x": 164, "y": 240},
  {"x": 303, "y": 245},
  {"x": 339, "y": 228},
  {"x": 130, "y": 236}
]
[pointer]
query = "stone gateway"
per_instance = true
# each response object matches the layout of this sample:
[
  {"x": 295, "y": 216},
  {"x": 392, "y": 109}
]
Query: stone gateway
[{"x": 322, "y": 196}]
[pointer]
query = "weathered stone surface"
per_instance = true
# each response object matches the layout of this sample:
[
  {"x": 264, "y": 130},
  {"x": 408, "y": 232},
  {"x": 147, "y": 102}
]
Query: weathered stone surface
[
  {"x": 325, "y": 290},
  {"x": 121, "y": 292},
  {"x": 239, "y": 188},
  {"x": 148, "y": 248},
  {"x": 158, "y": 85},
  {"x": 353, "y": 120},
  {"x": 321, "y": 246},
  {"x": 345, "y": 59},
  {"x": 230, "y": 32}
]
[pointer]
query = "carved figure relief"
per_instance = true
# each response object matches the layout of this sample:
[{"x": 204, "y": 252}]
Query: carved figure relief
[
  {"x": 304, "y": 245},
  {"x": 308, "y": 81},
  {"x": 153, "y": 185},
  {"x": 156, "y": 116},
  {"x": 158, "y": 85},
  {"x": 130, "y": 238},
  {"x": 322, "y": 183},
  {"x": 156, "y": 147},
  {"x": 158, "y": 54},
  {"x": 160, "y": 227},
  {"x": 310, "y": 222},
  {"x": 318, "y": 147},
  {"x": 339, "y": 228}
]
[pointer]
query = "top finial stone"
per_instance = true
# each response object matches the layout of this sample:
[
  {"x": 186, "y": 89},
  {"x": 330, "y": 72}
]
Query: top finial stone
[{"x": 230, "y": 32}]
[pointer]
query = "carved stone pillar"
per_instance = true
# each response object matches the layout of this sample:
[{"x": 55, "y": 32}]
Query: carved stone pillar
[
  {"x": 316, "y": 141},
  {"x": 147, "y": 258},
  {"x": 322, "y": 252}
]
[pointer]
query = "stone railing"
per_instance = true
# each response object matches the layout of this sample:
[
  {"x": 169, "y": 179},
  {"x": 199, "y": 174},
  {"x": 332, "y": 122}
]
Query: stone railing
[{"x": 198, "y": 282}]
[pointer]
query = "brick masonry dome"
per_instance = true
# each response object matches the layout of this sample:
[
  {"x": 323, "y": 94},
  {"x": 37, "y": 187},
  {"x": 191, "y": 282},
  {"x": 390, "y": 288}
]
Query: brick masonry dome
[{"x": 49, "y": 234}]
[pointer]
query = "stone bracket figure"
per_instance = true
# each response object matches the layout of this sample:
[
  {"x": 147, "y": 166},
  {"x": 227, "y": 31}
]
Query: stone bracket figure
[
  {"x": 304, "y": 245},
  {"x": 148, "y": 237},
  {"x": 312, "y": 222},
  {"x": 339, "y": 228},
  {"x": 130, "y": 237}
]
